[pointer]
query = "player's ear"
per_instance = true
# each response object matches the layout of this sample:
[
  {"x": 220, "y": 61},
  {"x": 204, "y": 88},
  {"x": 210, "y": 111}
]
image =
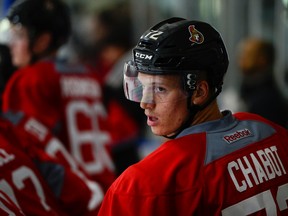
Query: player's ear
[
  {"x": 42, "y": 43},
  {"x": 201, "y": 93}
]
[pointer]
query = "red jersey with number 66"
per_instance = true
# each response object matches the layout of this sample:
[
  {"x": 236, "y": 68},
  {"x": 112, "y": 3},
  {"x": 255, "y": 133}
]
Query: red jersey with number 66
[
  {"x": 237, "y": 165},
  {"x": 68, "y": 100}
]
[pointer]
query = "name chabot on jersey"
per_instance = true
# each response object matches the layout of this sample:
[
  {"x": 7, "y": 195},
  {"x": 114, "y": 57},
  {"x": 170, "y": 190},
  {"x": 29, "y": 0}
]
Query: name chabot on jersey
[
  {"x": 237, "y": 135},
  {"x": 256, "y": 168}
]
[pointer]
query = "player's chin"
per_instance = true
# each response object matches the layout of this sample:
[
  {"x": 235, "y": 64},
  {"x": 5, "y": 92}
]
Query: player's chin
[
  {"x": 160, "y": 131},
  {"x": 156, "y": 131}
]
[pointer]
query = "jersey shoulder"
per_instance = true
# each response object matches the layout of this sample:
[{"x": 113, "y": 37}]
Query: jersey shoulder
[
  {"x": 182, "y": 158},
  {"x": 257, "y": 118}
]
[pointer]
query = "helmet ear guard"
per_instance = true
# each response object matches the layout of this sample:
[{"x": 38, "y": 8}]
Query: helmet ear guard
[{"x": 189, "y": 81}]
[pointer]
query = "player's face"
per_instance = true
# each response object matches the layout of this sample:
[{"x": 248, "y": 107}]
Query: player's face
[
  {"x": 19, "y": 45},
  {"x": 168, "y": 108}
]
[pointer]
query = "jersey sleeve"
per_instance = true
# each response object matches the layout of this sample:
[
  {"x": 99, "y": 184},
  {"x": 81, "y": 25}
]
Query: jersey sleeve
[
  {"x": 78, "y": 194},
  {"x": 22, "y": 182}
]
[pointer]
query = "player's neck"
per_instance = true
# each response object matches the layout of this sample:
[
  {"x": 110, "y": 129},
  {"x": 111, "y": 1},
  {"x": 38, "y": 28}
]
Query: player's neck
[{"x": 210, "y": 113}]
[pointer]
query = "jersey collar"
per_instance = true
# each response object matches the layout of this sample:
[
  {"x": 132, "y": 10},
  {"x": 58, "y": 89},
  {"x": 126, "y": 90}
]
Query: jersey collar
[{"x": 227, "y": 121}]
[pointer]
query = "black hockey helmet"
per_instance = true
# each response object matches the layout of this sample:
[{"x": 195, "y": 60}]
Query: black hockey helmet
[
  {"x": 178, "y": 46},
  {"x": 40, "y": 16}
]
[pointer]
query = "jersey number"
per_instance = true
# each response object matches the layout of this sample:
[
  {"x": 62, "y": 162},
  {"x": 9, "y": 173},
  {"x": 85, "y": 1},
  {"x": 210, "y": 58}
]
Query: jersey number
[
  {"x": 19, "y": 176},
  {"x": 259, "y": 202},
  {"x": 54, "y": 148},
  {"x": 154, "y": 34},
  {"x": 97, "y": 138}
]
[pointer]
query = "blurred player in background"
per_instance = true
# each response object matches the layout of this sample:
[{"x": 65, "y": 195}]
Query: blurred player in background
[
  {"x": 256, "y": 57},
  {"x": 38, "y": 174},
  {"x": 103, "y": 42},
  {"x": 65, "y": 98}
]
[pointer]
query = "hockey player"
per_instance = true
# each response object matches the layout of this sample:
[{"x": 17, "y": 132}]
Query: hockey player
[
  {"x": 21, "y": 181},
  {"x": 79, "y": 195},
  {"x": 34, "y": 183},
  {"x": 67, "y": 99},
  {"x": 216, "y": 163}
]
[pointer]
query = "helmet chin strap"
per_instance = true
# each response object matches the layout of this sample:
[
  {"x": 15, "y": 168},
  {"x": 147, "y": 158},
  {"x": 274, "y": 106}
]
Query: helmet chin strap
[{"x": 193, "y": 110}]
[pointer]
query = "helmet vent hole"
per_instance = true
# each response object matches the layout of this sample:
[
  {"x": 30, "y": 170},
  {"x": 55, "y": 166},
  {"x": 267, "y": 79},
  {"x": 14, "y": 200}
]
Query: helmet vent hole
[{"x": 145, "y": 44}]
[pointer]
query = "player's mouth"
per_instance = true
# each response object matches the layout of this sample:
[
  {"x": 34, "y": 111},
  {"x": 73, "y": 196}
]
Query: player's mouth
[{"x": 151, "y": 121}]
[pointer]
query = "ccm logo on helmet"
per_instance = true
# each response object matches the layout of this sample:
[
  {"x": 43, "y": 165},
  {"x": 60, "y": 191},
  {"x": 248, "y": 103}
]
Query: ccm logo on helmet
[
  {"x": 237, "y": 135},
  {"x": 143, "y": 56}
]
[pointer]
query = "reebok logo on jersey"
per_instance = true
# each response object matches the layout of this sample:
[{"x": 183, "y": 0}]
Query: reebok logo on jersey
[{"x": 237, "y": 135}]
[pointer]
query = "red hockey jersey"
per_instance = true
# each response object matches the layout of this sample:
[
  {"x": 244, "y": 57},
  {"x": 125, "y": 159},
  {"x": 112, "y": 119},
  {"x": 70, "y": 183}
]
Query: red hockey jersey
[
  {"x": 21, "y": 181},
  {"x": 8, "y": 206},
  {"x": 233, "y": 166},
  {"x": 87, "y": 195},
  {"x": 68, "y": 100}
]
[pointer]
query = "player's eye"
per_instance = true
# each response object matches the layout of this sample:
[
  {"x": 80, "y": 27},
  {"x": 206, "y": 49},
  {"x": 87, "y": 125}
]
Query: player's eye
[{"x": 159, "y": 89}]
